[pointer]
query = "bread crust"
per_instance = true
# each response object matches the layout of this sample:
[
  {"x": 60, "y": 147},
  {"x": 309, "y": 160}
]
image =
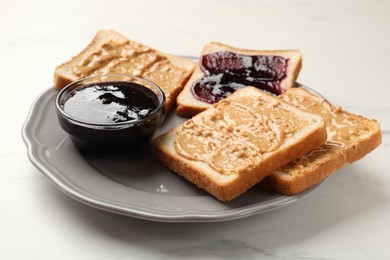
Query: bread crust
[
  {"x": 60, "y": 78},
  {"x": 240, "y": 183},
  {"x": 63, "y": 77},
  {"x": 292, "y": 184},
  {"x": 188, "y": 105},
  {"x": 223, "y": 187}
]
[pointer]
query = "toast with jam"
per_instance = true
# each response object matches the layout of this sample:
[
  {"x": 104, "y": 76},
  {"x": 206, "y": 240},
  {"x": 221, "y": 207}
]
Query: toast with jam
[
  {"x": 350, "y": 137},
  {"x": 111, "y": 53},
  {"x": 233, "y": 145},
  {"x": 223, "y": 69}
]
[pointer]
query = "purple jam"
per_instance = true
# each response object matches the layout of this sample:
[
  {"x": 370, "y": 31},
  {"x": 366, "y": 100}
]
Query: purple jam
[
  {"x": 111, "y": 116},
  {"x": 111, "y": 102},
  {"x": 225, "y": 72}
]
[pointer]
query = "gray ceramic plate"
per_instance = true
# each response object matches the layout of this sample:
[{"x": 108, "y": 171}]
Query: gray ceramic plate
[{"x": 133, "y": 184}]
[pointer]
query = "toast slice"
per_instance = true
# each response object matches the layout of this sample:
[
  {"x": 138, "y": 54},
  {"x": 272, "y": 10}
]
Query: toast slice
[
  {"x": 237, "y": 142},
  {"x": 222, "y": 69},
  {"x": 350, "y": 137},
  {"x": 111, "y": 52}
]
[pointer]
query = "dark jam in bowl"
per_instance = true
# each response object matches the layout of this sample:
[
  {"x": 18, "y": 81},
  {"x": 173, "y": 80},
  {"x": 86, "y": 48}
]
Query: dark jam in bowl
[
  {"x": 110, "y": 102},
  {"x": 225, "y": 72},
  {"x": 110, "y": 115}
]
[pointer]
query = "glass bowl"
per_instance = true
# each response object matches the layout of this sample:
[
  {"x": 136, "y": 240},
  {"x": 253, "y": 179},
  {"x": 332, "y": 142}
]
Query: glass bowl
[{"x": 97, "y": 132}]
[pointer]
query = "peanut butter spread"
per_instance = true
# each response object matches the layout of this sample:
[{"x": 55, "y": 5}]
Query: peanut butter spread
[
  {"x": 236, "y": 133},
  {"x": 343, "y": 130},
  {"x": 128, "y": 57}
]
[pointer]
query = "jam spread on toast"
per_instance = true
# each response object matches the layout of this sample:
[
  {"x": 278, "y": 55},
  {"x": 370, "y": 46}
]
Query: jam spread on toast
[{"x": 225, "y": 72}]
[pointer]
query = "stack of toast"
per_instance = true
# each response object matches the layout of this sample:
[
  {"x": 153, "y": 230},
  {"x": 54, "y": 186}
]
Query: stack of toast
[{"x": 248, "y": 123}]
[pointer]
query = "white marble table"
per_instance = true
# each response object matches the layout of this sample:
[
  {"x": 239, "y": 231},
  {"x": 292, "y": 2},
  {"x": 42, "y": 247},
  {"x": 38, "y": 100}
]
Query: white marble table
[{"x": 345, "y": 45}]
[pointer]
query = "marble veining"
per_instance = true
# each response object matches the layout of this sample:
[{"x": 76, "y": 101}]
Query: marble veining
[{"x": 345, "y": 47}]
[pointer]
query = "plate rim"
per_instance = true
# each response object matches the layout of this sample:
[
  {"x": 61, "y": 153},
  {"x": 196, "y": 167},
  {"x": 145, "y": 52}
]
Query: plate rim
[{"x": 34, "y": 146}]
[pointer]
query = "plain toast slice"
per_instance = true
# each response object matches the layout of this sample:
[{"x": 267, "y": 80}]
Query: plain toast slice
[
  {"x": 227, "y": 64},
  {"x": 111, "y": 52},
  {"x": 237, "y": 142},
  {"x": 350, "y": 137}
]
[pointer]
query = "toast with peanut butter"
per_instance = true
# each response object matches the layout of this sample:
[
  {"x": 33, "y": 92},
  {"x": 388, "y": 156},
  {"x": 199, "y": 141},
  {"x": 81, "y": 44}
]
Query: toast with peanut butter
[
  {"x": 350, "y": 137},
  {"x": 233, "y": 145},
  {"x": 223, "y": 69},
  {"x": 111, "y": 52}
]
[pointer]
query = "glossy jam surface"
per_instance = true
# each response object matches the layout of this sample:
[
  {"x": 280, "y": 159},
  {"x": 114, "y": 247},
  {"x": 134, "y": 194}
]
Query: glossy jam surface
[
  {"x": 110, "y": 102},
  {"x": 225, "y": 72},
  {"x": 107, "y": 116}
]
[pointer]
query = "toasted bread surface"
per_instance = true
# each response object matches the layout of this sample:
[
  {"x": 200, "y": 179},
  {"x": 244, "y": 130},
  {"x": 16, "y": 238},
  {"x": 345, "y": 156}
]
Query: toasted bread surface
[
  {"x": 350, "y": 137},
  {"x": 111, "y": 52},
  {"x": 188, "y": 105},
  {"x": 232, "y": 178}
]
